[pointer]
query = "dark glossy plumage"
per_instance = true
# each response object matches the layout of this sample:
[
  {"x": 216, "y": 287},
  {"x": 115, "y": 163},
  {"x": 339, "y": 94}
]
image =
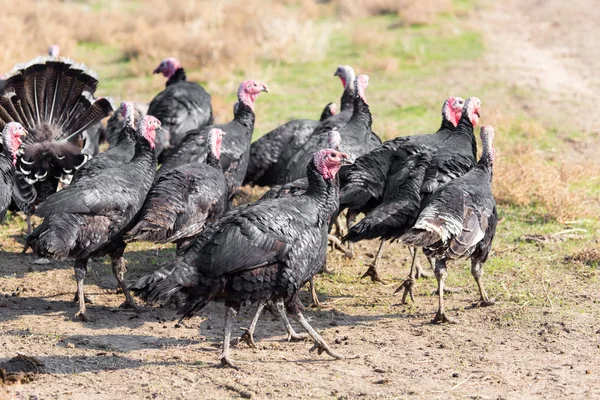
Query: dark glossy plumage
[
  {"x": 356, "y": 137},
  {"x": 459, "y": 221},
  {"x": 183, "y": 202},
  {"x": 272, "y": 151},
  {"x": 53, "y": 100},
  {"x": 235, "y": 151},
  {"x": 89, "y": 218},
  {"x": 121, "y": 152},
  {"x": 257, "y": 252},
  {"x": 114, "y": 125},
  {"x": 181, "y": 107}
]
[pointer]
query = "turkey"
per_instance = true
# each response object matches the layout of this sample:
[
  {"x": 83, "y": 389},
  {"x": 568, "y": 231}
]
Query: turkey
[
  {"x": 460, "y": 221},
  {"x": 258, "y": 252},
  {"x": 11, "y": 142},
  {"x": 356, "y": 135},
  {"x": 122, "y": 152},
  {"x": 454, "y": 151},
  {"x": 53, "y": 100},
  {"x": 115, "y": 122},
  {"x": 185, "y": 200},
  {"x": 235, "y": 150},
  {"x": 271, "y": 152},
  {"x": 89, "y": 218},
  {"x": 299, "y": 186},
  {"x": 181, "y": 107}
]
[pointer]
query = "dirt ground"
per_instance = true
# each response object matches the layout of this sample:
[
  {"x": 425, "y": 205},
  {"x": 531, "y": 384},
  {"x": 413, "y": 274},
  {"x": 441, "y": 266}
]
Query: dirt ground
[{"x": 508, "y": 351}]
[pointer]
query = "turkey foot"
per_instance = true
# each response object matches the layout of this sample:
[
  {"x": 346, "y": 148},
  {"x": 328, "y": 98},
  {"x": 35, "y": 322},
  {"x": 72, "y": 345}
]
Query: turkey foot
[
  {"x": 337, "y": 244},
  {"x": 292, "y": 336},
  {"x": 485, "y": 303},
  {"x": 407, "y": 285},
  {"x": 127, "y": 305},
  {"x": 226, "y": 361},
  {"x": 421, "y": 273},
  {"x": 372, "y": 272},
  {"x": 85, "y": 298},
  {"x": 247, "y": 338},
  {"x": 320, "y": 344},
  {"x": 442, "y": 318},
  {"x": 82, "y": 316}
]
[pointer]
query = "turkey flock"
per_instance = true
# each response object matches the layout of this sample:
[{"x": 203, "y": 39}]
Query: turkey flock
[{"x": 170, "y": 175}]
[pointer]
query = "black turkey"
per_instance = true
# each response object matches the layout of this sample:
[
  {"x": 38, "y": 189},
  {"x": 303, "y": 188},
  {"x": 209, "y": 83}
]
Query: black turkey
[
  {"x": 185, "y": 200},
  {"x": 122, "y": 152},
  {"x": 272, "y": 151},
  {"x": 180, "y": 107},
  {"x": 53, "y": 99},
  {"x": 114, "y": 125},
  {"x": 454, "y": 151},
  {"x": 235, "y": 150},
  {"x": 258, "y": 252},
  {"x": 89, "y": 218},
  {"x": 459, "y": 221},
  {"x": 11, "y": 141}
]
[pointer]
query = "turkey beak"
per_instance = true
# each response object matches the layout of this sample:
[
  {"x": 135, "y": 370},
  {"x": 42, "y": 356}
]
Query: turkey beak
[
  {"x": 346, "y": 159},
  {"x": 336, "y": 73},
  {"x": 157, "y": 70},
  {"x": 265, "y": 89}
]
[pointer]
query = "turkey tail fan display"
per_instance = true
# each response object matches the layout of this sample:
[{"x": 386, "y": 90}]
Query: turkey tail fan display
[{"x": 52, "y": 99}]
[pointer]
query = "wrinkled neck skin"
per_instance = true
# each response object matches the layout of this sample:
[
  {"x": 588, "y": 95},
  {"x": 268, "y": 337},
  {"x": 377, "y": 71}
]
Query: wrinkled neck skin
[
  {"x": 178, "y": 76},
  {"x": 487, "y": 157},
  {"x": 324, "y": 191}
]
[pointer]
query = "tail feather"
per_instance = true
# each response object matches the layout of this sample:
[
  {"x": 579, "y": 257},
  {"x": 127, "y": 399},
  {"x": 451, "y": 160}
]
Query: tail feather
[
  {"x": 22, "y": 99},
  {"x": 162, "y": 284},
  {"x": 98, "y": 110},
  {"x": 7, "y": 105},
  {"x": 81, "y": 83},
  {"x": 420, "y": 238},
  {"x": 56, "y": 236},
  {"x": 39, "y": 92}
]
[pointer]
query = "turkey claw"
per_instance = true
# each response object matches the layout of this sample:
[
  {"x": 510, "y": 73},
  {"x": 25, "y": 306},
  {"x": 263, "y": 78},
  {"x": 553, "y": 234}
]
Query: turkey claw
[
  {"x": 407, "y": 285},
  {"x": 442, "y": 318},
  {"x": 321, "y": 348},
  {"x": 485, "y": 303},
  {"x": 227, "y": 362},
  {"x": 83, "y": 316},
  {"x": 294, "y": 337},
  {"x": 248, "y": 338},
  {"x": 373, "y": 274},
  {"x": 86, "y": 299}
]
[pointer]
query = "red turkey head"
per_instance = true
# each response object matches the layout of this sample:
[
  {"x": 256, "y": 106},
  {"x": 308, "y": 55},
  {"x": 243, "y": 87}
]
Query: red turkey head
[
  {"x": 333, "y": 108},
  {"x": 487, "y": 139},
  {"x": 334, "y": 139},
  {"x": 346, "y": 74},
  {"x": 452, "y": 109},
  {"x": 147, "y": 128},
  {"x": 54, "y": 51},
  {"x": 362, "y": 82},
  {"x": 215, "y": 139},
  {"x": 328, "y": 162},
  {"x": 249, "y": 91},
  {"x": 11, "y": 135},
  {"x": 128, "y": 113},
  {"x": 167, "y": 67},
  {"x": 473, "y": 110}
]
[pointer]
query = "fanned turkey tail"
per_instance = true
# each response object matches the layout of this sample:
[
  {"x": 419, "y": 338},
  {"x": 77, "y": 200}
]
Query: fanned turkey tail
[{"x": 53, "y": 99}]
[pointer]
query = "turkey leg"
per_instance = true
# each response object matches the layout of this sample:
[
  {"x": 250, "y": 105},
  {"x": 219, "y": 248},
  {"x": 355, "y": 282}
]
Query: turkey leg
[
  {"x": 248, "y": 335},
  {"x": 313, "y": 293},
  {"x": 292, "y": 335},
  {"x": 226, "y": 361},
  {"x": 119, "y": 267},
  {"x": 80, "y": 268},
  {"x": 320, "y": 344},
  {"x": 477, "y": 272},
  {"x": 441, "y": 273},
  {"x": 372, "y": 271},
  {"x": 409, "y": 282}
]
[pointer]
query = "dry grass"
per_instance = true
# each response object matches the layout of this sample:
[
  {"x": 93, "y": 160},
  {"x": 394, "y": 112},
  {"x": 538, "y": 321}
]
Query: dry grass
[
  {"x": 410, "y": 12},
  {"x": 200, "y": 33}
]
